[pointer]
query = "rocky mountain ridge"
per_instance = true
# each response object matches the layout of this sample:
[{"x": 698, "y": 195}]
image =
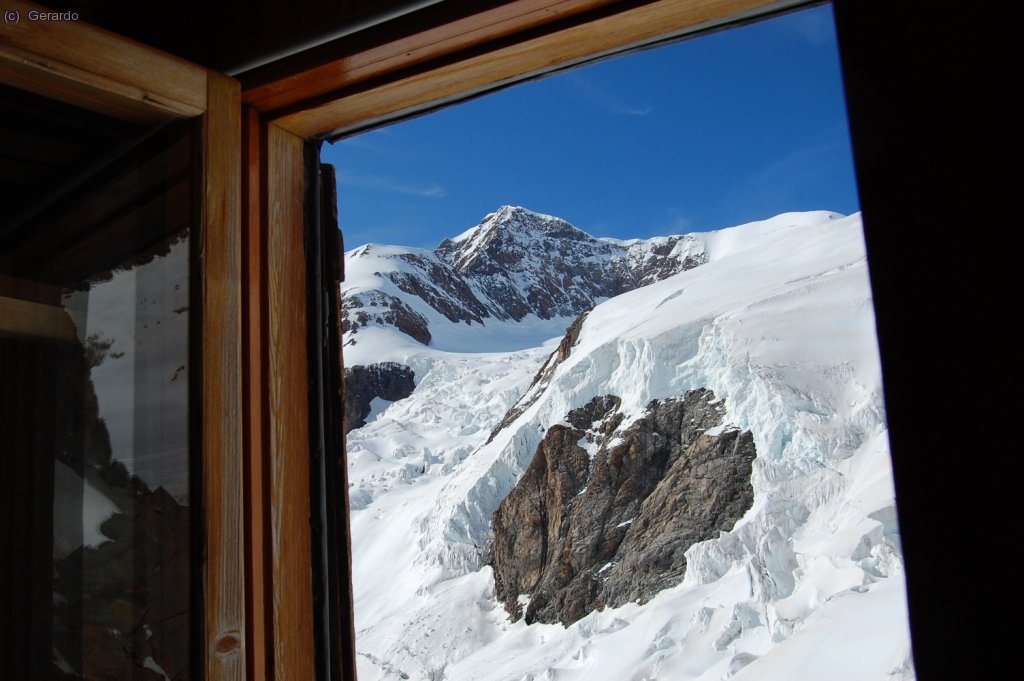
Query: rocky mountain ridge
[{"x": 513, "y": 264}]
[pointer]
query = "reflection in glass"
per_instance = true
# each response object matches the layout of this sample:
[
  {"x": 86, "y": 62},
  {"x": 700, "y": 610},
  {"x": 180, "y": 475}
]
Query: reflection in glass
[
  {"x": 95, "y": 419},
  {"x": 120, "y": 508}
]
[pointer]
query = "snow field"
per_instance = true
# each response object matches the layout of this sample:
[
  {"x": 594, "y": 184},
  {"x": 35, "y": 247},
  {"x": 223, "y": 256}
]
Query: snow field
[{"x": 808, "y": 584}]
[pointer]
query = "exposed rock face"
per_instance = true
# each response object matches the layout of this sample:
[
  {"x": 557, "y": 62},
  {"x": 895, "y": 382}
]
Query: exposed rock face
[
  {"x": 513, "y": 264},
  {"x": 525, "y": 262},
  {"x": 361, "y": 309},
  {"x": 388, "y": 380},
  {"x": 604, "y": 515},
  {"x": 442, "y": 288}
]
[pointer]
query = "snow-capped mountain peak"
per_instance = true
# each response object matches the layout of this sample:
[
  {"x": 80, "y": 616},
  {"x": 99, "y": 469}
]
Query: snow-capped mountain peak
[
  {"x": 507, "y": 234},
  {"x": 515, "y": 264}
]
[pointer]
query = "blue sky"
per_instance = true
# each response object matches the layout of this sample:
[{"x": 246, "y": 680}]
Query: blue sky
[{"x": 706, "y": 133}]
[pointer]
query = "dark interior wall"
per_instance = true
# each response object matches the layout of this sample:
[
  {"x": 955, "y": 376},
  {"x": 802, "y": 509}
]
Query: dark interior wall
[
  {"x": 929, "y": 90},
  {"x": 232, "y": 35},
  {"x": 28, "y": 399}
]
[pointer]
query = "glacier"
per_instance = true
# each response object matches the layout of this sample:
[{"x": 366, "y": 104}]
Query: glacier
[{"x": 778, "y": 322}]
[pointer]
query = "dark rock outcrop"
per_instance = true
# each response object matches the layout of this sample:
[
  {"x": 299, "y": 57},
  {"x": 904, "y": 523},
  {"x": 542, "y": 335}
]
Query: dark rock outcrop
[
  {"x": 388, "y": 380},
  {"x": 361, "y": 309},
  {"x": 442, "y": 288},
  {"x": 604, "y": 515}
]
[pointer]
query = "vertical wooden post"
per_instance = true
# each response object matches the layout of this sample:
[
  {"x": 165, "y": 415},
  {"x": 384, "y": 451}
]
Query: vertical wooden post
[
  {"x": 221, "y": 375},
  {"x": 287, "y": 414},
  {"x": 257, "y": 506}
]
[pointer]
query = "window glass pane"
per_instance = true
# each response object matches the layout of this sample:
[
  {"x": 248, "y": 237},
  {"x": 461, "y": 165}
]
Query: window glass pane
[
  {"x": 94, "y": 344},
  {"x": 121, "y": 521}
]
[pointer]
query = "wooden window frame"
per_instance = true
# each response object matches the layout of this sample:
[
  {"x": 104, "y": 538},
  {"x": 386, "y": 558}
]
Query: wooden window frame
[
  {"x": 257, "y": 581},
  {"x": 382, "y": 83},
  {"x": 96, "y": 70},
  {"x": 494, "y": 48},
  {"x": 377, "y": 85}
]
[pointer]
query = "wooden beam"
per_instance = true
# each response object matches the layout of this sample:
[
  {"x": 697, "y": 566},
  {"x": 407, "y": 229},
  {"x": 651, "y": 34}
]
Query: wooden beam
[
  {"x": 288, "y": 411},
  {"x": 357, "y": 65},
  {"x": 29, "y": 319},
  {"x": 403, "y": 92},
  {"x": 221, "y": 375},
  {"x": 89, "y": 67},
  {"x": 257, "y": 502}
]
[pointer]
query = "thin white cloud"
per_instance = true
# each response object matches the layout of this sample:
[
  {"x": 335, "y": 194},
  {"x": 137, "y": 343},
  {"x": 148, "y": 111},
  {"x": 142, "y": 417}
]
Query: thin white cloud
[
  {"x": 680, "y": 225},
  {"x": 674, "y": 223},
  {"x": 605, "y": 99},
  {"x": 798, "y": 165},
  {"x": 429, "y": 191},
  {"x": 792, "y": 178}
]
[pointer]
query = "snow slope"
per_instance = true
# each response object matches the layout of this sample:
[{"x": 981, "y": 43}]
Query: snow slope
[{"x": 809, "y": 585}]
